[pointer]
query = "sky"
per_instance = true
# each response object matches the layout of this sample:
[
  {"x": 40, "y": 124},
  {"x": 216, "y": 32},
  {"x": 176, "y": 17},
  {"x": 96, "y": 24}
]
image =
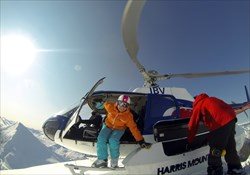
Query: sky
[{"x": 79, "y": 42}]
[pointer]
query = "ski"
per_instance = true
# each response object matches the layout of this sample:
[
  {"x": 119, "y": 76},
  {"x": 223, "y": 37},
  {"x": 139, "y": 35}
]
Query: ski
[{"x": 80, "y": 170}]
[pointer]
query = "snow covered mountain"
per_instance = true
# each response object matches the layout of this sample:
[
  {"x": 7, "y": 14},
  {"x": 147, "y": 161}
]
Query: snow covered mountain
[
  {"x": 4, "y": 122},
  {"x": 24, "y": 147},
  {"x": 66, "y": 153},
  {"x": 20, "y": 149}
]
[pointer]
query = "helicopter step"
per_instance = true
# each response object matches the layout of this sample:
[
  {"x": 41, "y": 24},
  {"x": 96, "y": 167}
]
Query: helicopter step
[{"x": 82, "y": 170}]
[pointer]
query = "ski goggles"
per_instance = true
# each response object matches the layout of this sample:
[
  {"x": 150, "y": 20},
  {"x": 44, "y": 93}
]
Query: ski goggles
[{"x": 122, "y": 104}]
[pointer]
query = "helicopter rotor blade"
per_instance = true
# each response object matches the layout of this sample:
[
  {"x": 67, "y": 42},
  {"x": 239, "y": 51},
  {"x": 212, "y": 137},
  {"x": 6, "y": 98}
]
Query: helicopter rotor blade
[
  {"x": 200, "y": 75},
  {"x": 130, "y": 19}
]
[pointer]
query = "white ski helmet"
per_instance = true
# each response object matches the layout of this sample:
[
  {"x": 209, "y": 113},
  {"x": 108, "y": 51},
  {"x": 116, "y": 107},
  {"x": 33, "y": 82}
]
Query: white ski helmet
[{"x": 124, "y": 98}]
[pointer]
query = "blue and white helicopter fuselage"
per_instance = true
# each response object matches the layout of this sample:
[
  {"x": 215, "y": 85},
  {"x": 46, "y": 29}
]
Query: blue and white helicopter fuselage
[{"x": 157, "y": 114}]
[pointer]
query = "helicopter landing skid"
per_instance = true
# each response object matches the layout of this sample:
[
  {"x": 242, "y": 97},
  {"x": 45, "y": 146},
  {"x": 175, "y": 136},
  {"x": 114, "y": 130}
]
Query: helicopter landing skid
[{"x": 81, "y": 170}]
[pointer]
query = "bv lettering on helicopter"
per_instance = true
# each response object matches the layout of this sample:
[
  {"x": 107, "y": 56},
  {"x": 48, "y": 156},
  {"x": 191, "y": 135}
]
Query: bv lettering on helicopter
[
  {"x": 182, "y": 166},
  {"x": 157, "y": 90}
]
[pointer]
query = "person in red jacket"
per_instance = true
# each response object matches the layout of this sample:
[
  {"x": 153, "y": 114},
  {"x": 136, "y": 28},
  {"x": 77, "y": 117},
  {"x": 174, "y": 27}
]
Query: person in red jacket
[{"x": 220, "y": 119}]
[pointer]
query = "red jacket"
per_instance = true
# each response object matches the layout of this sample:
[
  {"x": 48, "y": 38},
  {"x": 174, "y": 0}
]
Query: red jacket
[{"x": 214, "y": 113}]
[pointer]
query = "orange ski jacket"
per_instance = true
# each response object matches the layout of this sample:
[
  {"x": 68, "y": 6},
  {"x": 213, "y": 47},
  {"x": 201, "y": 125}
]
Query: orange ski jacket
[{"x": 121, "y": 120}]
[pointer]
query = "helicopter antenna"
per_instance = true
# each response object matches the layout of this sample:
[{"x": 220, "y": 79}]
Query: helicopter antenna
[{"x": 130, "y": 19}]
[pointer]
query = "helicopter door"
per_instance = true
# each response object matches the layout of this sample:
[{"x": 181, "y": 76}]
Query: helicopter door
[
  {"x": 84, "y": 99},
  {"x": 158, "y": 108},
  {"x": 173, "y": 135}
]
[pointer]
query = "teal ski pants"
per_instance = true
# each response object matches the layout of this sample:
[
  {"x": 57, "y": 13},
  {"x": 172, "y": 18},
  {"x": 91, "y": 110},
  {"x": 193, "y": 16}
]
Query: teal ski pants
[{"x": 109, "y": 137}]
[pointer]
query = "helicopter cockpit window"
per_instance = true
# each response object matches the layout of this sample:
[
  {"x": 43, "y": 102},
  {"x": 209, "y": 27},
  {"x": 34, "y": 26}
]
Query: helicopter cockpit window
[
  {"x": 82, "y": 122},
  {"x": 85, "y": 112}
]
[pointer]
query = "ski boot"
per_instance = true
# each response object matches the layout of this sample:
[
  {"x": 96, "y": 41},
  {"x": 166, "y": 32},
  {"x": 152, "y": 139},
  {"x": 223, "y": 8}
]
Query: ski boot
[
  {"x": 239, "y": 171},
  {"x": 100, "y": 163},
  {"x": 114, "y": 164},
  {"x": 235, "y": 170}
]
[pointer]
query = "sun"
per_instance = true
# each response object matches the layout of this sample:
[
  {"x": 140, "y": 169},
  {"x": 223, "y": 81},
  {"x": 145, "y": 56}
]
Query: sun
[{"x": 17, "y": 53}]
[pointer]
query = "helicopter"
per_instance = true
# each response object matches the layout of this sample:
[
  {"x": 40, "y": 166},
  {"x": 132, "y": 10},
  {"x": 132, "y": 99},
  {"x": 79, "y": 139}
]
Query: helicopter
[{"x": 157, "y": 112}]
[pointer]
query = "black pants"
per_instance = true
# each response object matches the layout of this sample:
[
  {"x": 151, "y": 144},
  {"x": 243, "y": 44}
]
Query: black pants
[{"x": 223, "y": 138}]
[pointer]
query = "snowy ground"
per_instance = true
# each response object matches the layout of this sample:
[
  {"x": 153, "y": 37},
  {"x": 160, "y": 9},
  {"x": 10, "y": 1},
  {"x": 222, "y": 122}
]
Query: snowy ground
[
  {"x": 59, "y": 168},
  {"x": 51, "y": 169}
]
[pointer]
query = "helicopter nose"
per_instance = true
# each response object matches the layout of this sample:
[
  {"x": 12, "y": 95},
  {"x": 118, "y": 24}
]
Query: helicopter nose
[{"x": 53, "y": 124}]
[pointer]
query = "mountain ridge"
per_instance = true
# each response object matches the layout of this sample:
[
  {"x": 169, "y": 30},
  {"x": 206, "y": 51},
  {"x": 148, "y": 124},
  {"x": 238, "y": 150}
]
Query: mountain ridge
[
  {"x": 16, "y": 138},
  {"x": 21, "y": 149}
]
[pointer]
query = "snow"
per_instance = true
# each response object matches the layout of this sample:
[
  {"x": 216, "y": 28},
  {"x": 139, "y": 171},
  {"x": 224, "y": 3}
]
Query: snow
[
  {"x": 5, "y": 122},
  {"x": 20, "y": 149},
  {"x": 50, "y": 169},
  {"x": 66, "y": 153},
  {"x": 59, "y": 168},
  {"x": 25, "y": 145}
]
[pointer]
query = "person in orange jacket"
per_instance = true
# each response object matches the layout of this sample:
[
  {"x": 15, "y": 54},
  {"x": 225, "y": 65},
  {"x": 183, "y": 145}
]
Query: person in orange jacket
[
  {"x": 118, "y": 119},
  {"x": 220, "y": 119}
]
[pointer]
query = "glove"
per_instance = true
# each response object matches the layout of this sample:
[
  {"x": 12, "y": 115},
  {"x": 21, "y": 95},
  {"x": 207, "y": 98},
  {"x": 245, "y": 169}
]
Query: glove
[{"x": 144, "y": 144}]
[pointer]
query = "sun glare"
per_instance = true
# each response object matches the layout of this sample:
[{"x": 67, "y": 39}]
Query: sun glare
[{"x": 17, "y": 53}]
